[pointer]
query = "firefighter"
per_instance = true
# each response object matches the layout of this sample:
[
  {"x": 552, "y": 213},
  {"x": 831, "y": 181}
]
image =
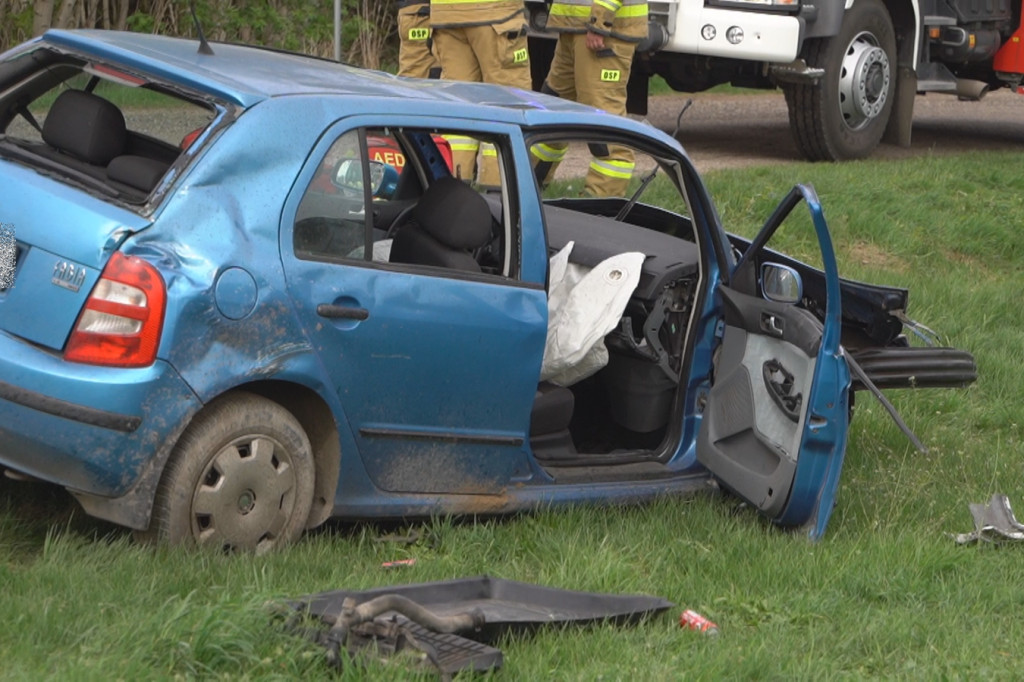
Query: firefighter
[
  {"x": 415, "y": 58},
  {"x": 593, "y": 58},
  {"x": 480, "y": 41}
]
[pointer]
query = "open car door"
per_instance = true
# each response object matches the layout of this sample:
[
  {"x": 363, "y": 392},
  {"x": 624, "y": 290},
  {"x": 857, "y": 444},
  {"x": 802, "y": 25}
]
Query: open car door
[{"x": 774, "y": 429}]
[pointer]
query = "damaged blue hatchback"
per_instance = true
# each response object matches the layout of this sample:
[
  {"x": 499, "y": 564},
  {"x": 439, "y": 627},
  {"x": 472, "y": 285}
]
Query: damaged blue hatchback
[{"x": 252, "y": 290}]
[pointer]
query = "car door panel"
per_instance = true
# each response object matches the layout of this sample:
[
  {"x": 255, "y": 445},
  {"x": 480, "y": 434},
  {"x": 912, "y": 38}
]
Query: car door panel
[
  {"x": 750, "y": 438},
  {"x": 436, "y": 369},
  {"x": 775, "y": 424}
]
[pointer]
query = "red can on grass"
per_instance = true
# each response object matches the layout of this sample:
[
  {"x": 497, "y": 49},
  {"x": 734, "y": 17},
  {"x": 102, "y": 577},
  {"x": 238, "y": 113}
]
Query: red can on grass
[{"x": 694, "y": 621}]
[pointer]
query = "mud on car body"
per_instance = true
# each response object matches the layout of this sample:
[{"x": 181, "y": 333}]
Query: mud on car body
[{"x": 226, "y": 336}]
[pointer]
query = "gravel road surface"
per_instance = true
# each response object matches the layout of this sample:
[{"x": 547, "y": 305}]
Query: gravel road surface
[{"x": 729, "y": 131}]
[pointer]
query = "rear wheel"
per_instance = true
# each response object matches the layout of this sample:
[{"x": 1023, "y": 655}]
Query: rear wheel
[
  {"x": 239, "y": 479},
  {"x": 844, "y": 114}
]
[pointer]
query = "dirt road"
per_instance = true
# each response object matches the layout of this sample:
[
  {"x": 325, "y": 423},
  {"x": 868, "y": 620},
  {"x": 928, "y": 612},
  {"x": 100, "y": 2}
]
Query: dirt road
[{"x": 728, "y": 131}]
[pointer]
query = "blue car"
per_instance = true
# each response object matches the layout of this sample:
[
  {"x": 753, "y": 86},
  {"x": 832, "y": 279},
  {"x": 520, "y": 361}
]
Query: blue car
[{"x": 245, "y": 292}]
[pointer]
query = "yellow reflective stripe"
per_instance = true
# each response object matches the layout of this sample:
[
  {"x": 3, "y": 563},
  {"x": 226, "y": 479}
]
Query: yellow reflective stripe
[
  {"x": 630, "y": 11},
  {"x": 569, "y": 11},
  {"x": 460, "y": 143},
  {"x": 487, "y": 149},
  {"x": 613, "y": 169},
  {"x": 419, "y": 33},
  {"x": 548, "y": 153},
  {"x": 625, "y": 10}
]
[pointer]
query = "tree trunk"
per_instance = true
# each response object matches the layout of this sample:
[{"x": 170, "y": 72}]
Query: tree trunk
[
  {"x": 122, "y": 16},
  {"x": 42, "y": 16},
  {"x": 67, "y": 9}
]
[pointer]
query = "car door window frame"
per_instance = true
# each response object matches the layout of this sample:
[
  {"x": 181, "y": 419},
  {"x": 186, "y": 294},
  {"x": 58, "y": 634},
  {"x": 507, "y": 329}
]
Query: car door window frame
[{"x": 505, "y": 137}]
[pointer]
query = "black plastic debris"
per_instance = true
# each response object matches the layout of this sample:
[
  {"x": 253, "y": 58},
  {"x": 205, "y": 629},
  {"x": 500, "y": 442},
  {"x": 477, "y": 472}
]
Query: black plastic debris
[
  {"x": 993, "y": 522},
  {"x": 447, "y": 625}
]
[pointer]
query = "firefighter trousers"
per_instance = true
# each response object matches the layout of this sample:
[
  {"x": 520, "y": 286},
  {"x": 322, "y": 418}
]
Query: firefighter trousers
[
  {"x": 597, "y": 78},
  {"x": 414, "y": 56},
  {"x": 493, "y": 53}
]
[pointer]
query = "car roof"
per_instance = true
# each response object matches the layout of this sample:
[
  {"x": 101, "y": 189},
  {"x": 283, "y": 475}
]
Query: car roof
[{"x": 246, "y": 74}]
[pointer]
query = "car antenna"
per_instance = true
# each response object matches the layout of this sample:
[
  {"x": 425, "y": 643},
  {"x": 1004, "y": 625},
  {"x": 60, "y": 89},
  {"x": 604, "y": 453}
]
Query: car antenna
[
  {"x": 628, "y": 206},
  {"x": 204, "y": 47}
]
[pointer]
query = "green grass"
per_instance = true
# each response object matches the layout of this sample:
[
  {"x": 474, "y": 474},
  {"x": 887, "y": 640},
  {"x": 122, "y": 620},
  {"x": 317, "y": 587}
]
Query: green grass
[{"x": 886, "y": 594}]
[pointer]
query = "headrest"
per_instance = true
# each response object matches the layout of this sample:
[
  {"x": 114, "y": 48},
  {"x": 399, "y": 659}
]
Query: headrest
[
  {"x": 454, "y": 214},
  {"x": 86, "y": 126}
]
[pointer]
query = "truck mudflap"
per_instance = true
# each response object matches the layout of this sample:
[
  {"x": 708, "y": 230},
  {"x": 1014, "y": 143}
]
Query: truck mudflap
[{"x": 915, "y": 367}]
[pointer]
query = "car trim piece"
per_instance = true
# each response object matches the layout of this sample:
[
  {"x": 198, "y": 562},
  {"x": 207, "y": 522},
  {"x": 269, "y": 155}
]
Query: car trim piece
[
  {"x": 67, "y": 410},
  {"x": 446, "y": 437}
]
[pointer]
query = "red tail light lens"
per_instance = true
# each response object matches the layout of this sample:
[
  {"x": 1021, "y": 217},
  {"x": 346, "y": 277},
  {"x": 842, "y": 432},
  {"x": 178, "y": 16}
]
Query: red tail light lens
[{"x": 121, "y": 321}]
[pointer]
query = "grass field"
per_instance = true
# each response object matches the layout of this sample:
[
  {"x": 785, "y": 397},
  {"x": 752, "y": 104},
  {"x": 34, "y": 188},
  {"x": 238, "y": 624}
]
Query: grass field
[{"x": 887, "y": 593}]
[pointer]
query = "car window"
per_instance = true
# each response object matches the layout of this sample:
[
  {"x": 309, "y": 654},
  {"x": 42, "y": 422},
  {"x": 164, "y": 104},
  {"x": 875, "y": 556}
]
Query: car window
[
  {"x": 149, "y": 112},
  {"x": 610, "y": 176},
  {"x": 110, "y": 132},
  {"x": 430, "y": 206}
]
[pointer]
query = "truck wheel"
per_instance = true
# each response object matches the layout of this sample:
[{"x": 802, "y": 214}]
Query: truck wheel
[
  {"x": 239, "y": 479},
  {"x": 844, "y": 114}
]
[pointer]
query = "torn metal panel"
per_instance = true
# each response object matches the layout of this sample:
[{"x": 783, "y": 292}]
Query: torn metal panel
[{"x": 993, "y": 522}]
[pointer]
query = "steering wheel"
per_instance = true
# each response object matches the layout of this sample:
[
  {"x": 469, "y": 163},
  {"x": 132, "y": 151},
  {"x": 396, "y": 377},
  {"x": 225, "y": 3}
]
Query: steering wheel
[{"x": 399, "y": 220}]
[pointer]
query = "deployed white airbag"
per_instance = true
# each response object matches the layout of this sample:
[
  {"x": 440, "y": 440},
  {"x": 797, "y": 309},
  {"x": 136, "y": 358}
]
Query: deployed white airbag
[{"x": 584, "y": 304}]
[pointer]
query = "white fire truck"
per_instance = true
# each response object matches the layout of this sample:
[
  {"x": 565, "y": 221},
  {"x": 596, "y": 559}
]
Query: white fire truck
[{"x": 850, "y": 69}]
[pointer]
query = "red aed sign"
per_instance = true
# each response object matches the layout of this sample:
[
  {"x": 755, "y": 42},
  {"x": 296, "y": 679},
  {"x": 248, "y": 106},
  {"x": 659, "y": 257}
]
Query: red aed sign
[{"x": 392, "y": 158}]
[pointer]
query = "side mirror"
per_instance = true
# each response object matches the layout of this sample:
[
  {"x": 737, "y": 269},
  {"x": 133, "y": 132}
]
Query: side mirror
[
  {"x": 348, "y": 176},
  {"x": 781, "y": 283}
]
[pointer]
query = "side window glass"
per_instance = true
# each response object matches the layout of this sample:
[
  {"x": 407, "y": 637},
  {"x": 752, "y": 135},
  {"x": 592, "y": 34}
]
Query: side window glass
[
  {"x": 330, "y": 222},
  {"x": 466, "y": 214},
  {"x": 424, "y": 213}
]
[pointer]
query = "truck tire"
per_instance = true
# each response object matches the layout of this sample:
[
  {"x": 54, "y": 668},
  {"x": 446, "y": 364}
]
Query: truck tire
[{"x": 843, "y": 115}]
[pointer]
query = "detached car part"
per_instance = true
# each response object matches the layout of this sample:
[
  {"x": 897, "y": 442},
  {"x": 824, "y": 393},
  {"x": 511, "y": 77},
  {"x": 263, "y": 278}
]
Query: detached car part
[{"x": 425, "y": 618}]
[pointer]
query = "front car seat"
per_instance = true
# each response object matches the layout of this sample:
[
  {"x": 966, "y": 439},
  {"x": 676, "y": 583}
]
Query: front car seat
[{"x": 450, "y": 221}]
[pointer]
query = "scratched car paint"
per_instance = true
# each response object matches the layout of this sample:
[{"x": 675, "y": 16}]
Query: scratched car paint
[{"x": 230, "y": 329}]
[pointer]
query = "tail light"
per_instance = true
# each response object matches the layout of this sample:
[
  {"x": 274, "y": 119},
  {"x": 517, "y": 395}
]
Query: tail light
[{"x": 120, "y": 324}]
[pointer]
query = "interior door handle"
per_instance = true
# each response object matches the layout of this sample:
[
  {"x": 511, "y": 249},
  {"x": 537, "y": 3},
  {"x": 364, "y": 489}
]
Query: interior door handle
[
  {"x": 781, "y": 383},
  {"x": 340, "y": 312},
  {"x": 772, "y": 324}
]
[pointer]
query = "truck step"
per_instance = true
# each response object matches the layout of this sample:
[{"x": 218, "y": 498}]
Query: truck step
[
  {"x": 938, "y": 20},
  {"x": 935, "y": 77},
  {"x": 915, "y": 367}
]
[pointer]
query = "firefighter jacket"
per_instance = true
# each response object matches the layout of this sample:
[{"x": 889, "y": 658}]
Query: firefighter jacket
[
  {"x": 460, "y": 13},
  {"x": 623, "y": 19}
]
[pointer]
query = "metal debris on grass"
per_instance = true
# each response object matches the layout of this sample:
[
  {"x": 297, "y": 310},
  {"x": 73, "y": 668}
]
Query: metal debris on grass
[{"x": 993, "y": 522}]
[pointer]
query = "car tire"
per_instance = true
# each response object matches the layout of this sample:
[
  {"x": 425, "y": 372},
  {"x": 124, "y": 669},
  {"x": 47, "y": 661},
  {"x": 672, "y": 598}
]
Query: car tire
[
  {"x": 240, "y": 478},
  {"x": 844, "y": 114}
]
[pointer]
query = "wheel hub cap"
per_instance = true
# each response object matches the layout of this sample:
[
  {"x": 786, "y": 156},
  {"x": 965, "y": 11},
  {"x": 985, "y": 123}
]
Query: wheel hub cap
[
  {"x": 863, "y": 81},
  {"x": 245, "y": 497},
  {"x": 246, "y": 502}
]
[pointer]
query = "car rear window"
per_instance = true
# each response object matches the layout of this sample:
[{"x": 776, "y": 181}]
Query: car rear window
[{"x": 106, "y": 130}]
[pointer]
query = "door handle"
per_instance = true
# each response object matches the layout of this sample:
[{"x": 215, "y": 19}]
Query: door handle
[
  {"x": 340, "y": 312},
  {"x": 772, "y": 324},
  {"x": 781, "y": 384}
]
